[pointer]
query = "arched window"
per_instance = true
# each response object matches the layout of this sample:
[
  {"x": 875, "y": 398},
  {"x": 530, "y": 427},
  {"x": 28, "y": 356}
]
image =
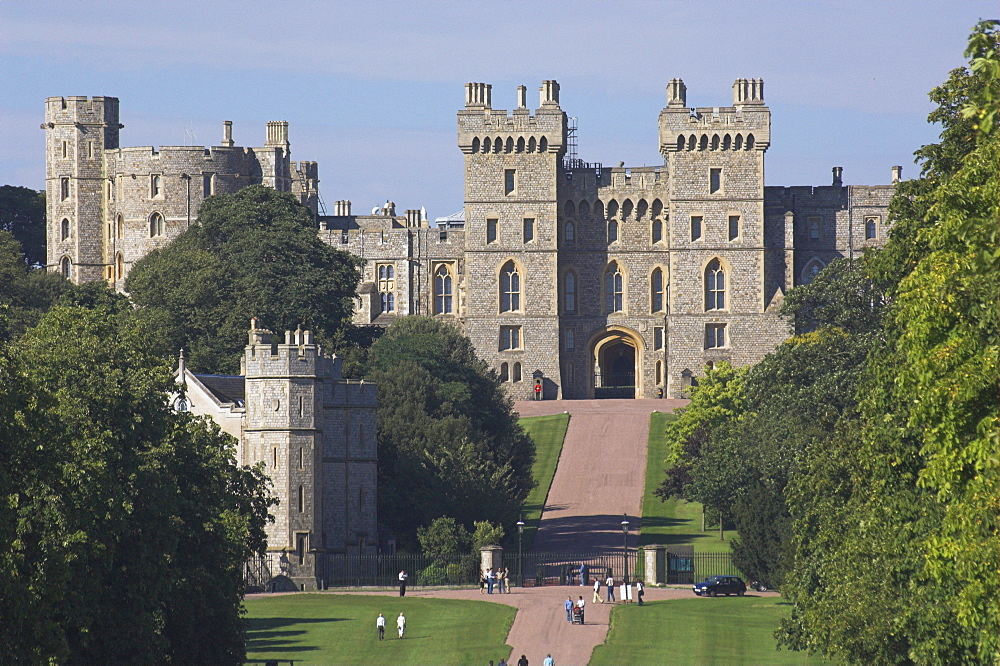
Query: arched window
[
  {"x": 498, "y": 145},
  {"x": 656, "y": 291},
  {"x": 657, "y": 231},
  {"x": 120, "y": 231},
  {"x": 119, "y": 266},
  {"x": 510, "y": 288},
  {"x": 155, "y": 225},
  {"x": 543, "y": 145},
  {"x": 442, "y": 290},
  {"x": 641, "y": 208},
  {"x": 715, "y": 142},
  {"x": 520, "y": 144},
  {"x": 612, "y": 208},
  {"x": 715, "y": 286},
  {"x": 64, "y": 229},
  {"x": 510, "y": 145},
  {"x": 703, "y": 144},
  {"x": 812, "y": 268},
  {"x": 475, "y": 145},
  {"x": 64, "y": 267},
  {"x": 727, "y": 142},
  {"x": 388, "y": 301},
  {"x": 680, "y": 142},
  {"x": 387, "y": 287},
  {"x": 612, "y": 231},
  {"x": 569, "y": 293},
  {"x": 569, "y": 232},
  {"x": 584, "y": 208},
  {"x": 487, "y": 143},
  {"x": 515, "y": 374},
  {"x": 738, "y": 145},
  {"x": 570, "y": 209},
  {"x": 627, "y": 208},
  {"x": 814, "y": 223},
  {"x": 749, "y": 141},
  {"x": 531, "y": 145},
  {"x": 659, "y": 373},
  {"x": 691, "y": 141},
  {"x": 504, "y": 372},
  {"x": 614, "y": 289},
  {"x": 871, "y": 228},
  {"x": 156, "y": 185}
]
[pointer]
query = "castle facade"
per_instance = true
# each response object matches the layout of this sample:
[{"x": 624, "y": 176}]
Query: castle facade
[{"x": 572, "y": 278}]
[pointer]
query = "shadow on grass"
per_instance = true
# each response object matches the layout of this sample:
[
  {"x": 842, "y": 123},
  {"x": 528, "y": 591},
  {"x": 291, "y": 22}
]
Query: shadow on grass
[{"x": 274, "y": 634}]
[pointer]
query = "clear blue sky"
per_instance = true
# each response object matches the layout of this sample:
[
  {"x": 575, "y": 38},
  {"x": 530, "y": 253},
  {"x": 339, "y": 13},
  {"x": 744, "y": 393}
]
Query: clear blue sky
[{"x": 371, "y": 89}]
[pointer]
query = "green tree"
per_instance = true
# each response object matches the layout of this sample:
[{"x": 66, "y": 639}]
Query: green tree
[
  {"x": 25, "y": 293},
  {"x": 253, "y": 253},
  {"x": 125, "y": 524},
  {"x": 486, "y": 534},
  {"x": 22, "y": 213},
  {"x": 443, "y": 538},
  {"x": 449, "y": 443}
]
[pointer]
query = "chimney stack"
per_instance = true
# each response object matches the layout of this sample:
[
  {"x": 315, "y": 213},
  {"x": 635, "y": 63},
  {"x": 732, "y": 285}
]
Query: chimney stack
[
  {"x": 227, "y": 133},
  {"x": 897, "y": 174},
  {"x": 838, "y": 176}
]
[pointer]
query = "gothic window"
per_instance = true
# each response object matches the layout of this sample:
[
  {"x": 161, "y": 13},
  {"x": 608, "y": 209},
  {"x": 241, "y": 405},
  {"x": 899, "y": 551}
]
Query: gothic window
[
  {"x": 812, "y": 268},
  {"x": 612, "y": 231},
  {"x": 657, "y": 231},
  {"x": 727, "y": 142},
  {"x": 871, "y": 228},
  {"x": 64, "y": 188},
  {"x": 475, "y": 144},
  {"x": 520, "y": 144},
  {"x": 529, "y": 229},
  {"x": 387, "y": 287},
  {"x": 515, "y": 373},
  {"x": 486, "y": 144},
  {"x": 734, "y": 227},
  {"x": 155, "y": 225},
  {"x": 510, "y": 288},
  {"x": 680, "y": 142},
  {"x": 715, "y": 286},
  {"x": 614, "y": 289},
  {"x": 119, "y": 266},
  {"x": 64, "y": 267},
  {"x": 714, "y": 181},
  {"x": 498, "y": 145},
  {"x": 491, "y": 231},
  {"x": 696, "y": 221},
  {"x": 738, "y": 144},
  {"x": 715, "y": 336},
  {"x": 749, "y": 142},
  {"x": 120, "y": 230},
  {"x": 510, "y": 338},
  {"x": 656, "y": 290},
  {"x": 569, "y": 293},
  {"x": 543, "y": 145},
  {"x": 442, "y": 290},
  {"x": 703, "y": 143},
  {"x": 569, "y": 232},
  {"x": 659, "y": 373},
  {"x": 64, "y": 229},
  {"x": 531, "y": 145},
  {"x": 715, "y": 142},
  {"x": 569, "y": 339},
  {"x": 814, "y": 224},
  {"x": 510, "y": 145},
  {"x": 504, "y": 372},
  {"x": 156, "y": 186},
  {"x": 691, "y": 141},
  {"x": 509, "y": 181}
]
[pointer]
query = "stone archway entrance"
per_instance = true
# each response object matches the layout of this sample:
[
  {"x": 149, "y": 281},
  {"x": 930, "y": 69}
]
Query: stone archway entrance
[{"x": 616, "y": 356}]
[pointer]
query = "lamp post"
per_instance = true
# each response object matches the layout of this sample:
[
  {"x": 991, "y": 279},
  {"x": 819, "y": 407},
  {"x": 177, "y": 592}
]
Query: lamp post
[
  {"x": 625, "y": 536},
  {"x": 520, "y": 554}
]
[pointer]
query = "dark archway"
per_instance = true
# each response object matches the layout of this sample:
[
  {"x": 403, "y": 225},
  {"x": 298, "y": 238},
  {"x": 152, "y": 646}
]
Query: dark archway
[{"x": 616, "y": 368}]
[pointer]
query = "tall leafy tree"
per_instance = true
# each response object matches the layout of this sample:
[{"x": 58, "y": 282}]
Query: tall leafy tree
[
  {"x": 449, "y": 443},
  {"x": 25, "y": 293},
  {"x": 253, "y": 253},
  {"x": 22, "y": 213},
  {"x": 125, "y": 525}
]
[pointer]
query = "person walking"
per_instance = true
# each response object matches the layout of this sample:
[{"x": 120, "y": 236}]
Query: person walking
[
  {"x": 482, "y": 582},
  {"x": 401, "y": 624},
  {"x": 490, "y": 580},
  {"x": 502, "y": 662},
  {"x": 523, "y": 661},
  {"x": 597, "y": 590},
  {"x": 569, "y": 609},
  {"x": 380, "y": 625},
  {"x": 583, "y": 574},
  {"x": 639, "y": 589},
  {"x": 402, "y": 583},
  {"x": 580, "y": 604},
  {"x": 610, "y": 583},
  {"x": 548, "y": 661}
]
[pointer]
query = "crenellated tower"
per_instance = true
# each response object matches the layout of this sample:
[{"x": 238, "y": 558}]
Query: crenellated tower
[
  {"x": 512, "y": 166},
  {"x": 78, "y": 130}
]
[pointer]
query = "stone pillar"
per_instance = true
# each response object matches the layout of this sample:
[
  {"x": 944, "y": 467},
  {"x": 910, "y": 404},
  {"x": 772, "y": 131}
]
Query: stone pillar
[
  {"x": 490, "y": 557},
  {"x": 656, "y": 565}
]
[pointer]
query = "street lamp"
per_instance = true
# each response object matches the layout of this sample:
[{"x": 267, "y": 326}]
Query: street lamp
[
  {"x": 625, "y": 536},
  {"x": 520, "y": 554}
]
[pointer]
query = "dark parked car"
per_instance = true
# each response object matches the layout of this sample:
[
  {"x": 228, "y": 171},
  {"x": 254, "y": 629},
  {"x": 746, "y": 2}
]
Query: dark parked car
[{"x": 717, "y": 585}]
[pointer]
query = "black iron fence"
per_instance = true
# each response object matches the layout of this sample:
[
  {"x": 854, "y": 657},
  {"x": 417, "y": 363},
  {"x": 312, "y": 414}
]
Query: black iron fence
[{"x": 383, "y": 570}]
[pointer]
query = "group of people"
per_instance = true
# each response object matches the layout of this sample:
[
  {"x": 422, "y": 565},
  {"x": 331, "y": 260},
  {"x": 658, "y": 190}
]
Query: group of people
[
  {"x": 574, "y": 607},
  {"x": 380, "y": 625},
  {"x": 523, "y": 661},
  {"x": 499, "y": 578},
  {"x": 609, "y": 583}
]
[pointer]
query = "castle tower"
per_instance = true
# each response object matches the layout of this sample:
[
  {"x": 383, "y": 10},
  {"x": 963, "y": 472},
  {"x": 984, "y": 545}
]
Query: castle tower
[
  {"x": 315, "y": 434},
  {"x": 77, "y": 132},
  {"x": 512, "y": 164}
]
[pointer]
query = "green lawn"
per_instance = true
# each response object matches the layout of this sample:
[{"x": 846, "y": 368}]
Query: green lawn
[
  {"x": 340, "y": 629},
  {"x": 727, "y": 630},
  {"x": 548, "y": 432},
  {"x": 674, "y": 521}
]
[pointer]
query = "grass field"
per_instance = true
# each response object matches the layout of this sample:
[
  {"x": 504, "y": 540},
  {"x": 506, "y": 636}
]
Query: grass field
[
  {"x": 548, "y": 432},
  {"x": 727, "y": 630},
  {"x": 340, "y": 629},
  {"x": 674, "y": 521}
]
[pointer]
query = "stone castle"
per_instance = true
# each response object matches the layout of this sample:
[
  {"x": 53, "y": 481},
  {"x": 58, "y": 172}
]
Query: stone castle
[{"x": 579, "y": 279}]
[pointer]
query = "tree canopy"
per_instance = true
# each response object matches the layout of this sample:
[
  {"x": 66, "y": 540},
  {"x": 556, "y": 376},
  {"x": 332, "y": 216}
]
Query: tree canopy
[
  {"x": 22, "y": 213},
  {"x": 25, "y": 293},
  {"x": 126, "y": 524},
  {"x": 449, "y": 443},
  {"x": 252, "y": 253}
]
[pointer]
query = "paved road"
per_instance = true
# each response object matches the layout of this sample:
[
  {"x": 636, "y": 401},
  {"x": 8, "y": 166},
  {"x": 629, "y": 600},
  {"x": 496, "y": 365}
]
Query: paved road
[{"x": 601, "y": 472}]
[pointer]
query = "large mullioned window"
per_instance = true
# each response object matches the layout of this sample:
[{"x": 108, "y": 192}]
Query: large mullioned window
[
  {"x": 656, "y": 291},
  {"x": 443, "y": 281},
  {"x": 510, "y": 288},
  {"x": 614, "y": 289},
  {"x": 715, "y": 286}
]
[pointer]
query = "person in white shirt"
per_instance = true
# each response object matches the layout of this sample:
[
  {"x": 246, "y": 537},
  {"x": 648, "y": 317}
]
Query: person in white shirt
[
  {"x": 380, "y": 624},
  {"x": 402, "y": 583},
  {"x": 597, "y": 591},
  {"x": 580, "y": 603},
  {"x": 610, "y": 582},
  {"x": 401, "y": 624}
]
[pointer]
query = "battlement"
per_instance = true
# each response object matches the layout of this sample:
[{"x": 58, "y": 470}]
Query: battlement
[
  {"x": 81, "y": 109},
  {"x": 299, "y": 356},
  {"x": 483, "y": 129},
  {"x": 744, "y": 126}
]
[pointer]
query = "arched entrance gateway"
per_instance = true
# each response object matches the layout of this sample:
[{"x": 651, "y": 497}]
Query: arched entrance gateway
[{"x": 617, "y": 357}]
